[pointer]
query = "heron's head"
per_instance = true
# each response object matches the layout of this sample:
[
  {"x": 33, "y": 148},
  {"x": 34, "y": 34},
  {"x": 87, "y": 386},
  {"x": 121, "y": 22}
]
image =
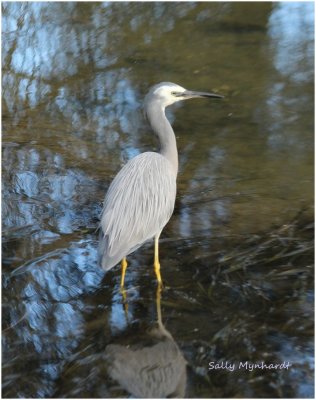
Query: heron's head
[{"x": 167, "y": 93}]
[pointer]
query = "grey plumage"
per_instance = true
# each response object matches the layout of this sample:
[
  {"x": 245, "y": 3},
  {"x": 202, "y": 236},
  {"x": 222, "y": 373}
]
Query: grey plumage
[
  {"x": 141, "y": 198},
  {"x": 132, "y": 216}
]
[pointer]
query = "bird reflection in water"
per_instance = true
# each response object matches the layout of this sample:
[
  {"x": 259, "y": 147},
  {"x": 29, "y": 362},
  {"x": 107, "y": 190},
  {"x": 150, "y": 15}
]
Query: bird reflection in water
[{"x": 156, "y": 369}]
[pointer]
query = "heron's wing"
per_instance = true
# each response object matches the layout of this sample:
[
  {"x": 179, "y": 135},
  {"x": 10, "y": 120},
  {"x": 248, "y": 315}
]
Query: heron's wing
[{"x": 138, "y": 205}]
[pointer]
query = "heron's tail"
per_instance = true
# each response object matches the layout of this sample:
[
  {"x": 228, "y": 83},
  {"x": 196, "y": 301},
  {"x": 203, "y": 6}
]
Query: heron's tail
[{"x": 104, "y": 259}]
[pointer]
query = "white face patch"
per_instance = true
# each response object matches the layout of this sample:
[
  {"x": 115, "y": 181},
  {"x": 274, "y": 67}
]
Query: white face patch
[{"x": 165, "y": 93}]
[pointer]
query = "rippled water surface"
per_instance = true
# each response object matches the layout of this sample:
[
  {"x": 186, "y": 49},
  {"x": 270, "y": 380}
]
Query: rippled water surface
[{"x": 237, "y": 255}]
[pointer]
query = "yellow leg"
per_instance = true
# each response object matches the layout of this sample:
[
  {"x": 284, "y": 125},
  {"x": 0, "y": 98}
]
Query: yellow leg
[
  {"x": 124, "y": 266},
  {"x": 156, "y": 262},
  {"x": 158, "y": 303},
  {"x": 125, "y": 304}
]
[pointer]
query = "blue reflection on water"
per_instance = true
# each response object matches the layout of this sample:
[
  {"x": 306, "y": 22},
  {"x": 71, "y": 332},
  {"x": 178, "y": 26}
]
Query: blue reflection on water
[{"x": 291, "y": 27}]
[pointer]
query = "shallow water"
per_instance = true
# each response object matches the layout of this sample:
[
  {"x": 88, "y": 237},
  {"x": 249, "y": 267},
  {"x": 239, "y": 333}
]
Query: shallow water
[{"x": 236, "y": 256}]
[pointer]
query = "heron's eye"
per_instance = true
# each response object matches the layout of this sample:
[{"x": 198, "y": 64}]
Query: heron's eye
[{"x": 176, "y": 94}]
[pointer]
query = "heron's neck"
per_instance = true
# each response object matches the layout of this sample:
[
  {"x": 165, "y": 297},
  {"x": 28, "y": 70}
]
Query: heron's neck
[{"x": 161, "y": 126}]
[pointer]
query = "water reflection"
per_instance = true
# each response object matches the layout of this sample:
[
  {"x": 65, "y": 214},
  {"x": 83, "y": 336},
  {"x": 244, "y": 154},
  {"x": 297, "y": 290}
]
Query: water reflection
[
  {"x": 50, "y": 300},
  {"x": 293, "y": 59},
  {"x": 152, "y": 367},
  {"x": 291, "y": 29},
  {"x": 74, "y": 78}
]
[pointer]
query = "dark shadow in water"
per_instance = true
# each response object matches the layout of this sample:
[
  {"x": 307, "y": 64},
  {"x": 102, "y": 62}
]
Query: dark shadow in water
[
  {"x": 143, "y": 360},
  {"x": 151, "y": 366}
]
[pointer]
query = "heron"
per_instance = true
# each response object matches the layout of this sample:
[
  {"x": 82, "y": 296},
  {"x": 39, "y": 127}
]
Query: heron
[{"x": 141, "y": 198}]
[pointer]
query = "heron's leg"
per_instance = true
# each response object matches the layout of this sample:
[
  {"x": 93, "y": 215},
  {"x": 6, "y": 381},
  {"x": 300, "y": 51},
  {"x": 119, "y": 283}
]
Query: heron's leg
[
  {"x": 124, "y": 302},
  {"x": 158, "y": 303},
  {"x": 156, "y": 262},
  {"x": 122, "y": 289},
  {"x": 124, "y": 266}
]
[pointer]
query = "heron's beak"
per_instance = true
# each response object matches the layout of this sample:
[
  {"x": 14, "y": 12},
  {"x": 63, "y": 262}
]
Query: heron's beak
[{"x": 190, "y": 94}]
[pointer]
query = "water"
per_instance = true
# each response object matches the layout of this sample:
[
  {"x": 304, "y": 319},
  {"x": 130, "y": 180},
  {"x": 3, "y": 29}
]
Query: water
[{"x": 237, "y": 255}]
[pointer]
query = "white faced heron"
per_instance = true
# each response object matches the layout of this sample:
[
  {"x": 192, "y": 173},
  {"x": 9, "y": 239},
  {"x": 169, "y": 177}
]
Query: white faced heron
[{"x": 141, "y": 198}]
